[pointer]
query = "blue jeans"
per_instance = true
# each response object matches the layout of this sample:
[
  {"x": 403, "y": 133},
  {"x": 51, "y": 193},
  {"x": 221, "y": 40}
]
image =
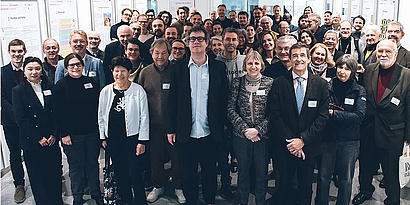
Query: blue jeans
[{"x": 343, "y": 155}]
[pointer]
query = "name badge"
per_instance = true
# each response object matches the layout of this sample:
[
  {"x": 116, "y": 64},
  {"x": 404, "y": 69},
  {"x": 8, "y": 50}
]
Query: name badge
[
  {"x": 47, "y": 92},
  {"x": 88, "y": 86},
  {"x": 166, "y": 86},
  {"x": 92, "y": 74},
  {"x": 204, "y": 76},
  {"x": 395, "y": 101},
  {"x": 260, "y": 92},
  {"x": 312, "y": 103},
  {"x": 349, "y": 101}
]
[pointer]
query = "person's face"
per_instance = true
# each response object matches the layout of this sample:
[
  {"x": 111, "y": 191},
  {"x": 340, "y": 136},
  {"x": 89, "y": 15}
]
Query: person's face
[
  {"x": 319, "y": 56},
  {"x": 186, "y": 29},
  {"x": 221, "y": 11},
  {"x": 178, "y": 50},
  {"x": 208, "y": 25},
  {"x": 394, "y": 34},
  {"x": 283, "y": 51},
  {"x": 330, "y": 40},
  {"x": 33, "y": 71},
  {"x": 253, "y": 67},
  {"x": 266, "y": 25},
  {"x": 303, "y": 23},
  {"x": 305, "y": 38},
  {"x": 284, "y": 28},
  {"x": 150, "y": 16},
  {"x": 75, "y": 68},
  {"x": 327, "y": 19},
  {"x": 212, "y": 15},
  {"x": 386, "y": 54},
  {"x": 196, "y": 20},
  {"x": 287, "y": 18},
  {"x": 241, "y": 39},
  {"x": 257, "y": 14},
  {"x": 171, "y": 33},
  {"x": 160, "y": 56},
  {"x": 126, "y": 16},
  {"x": 358, "y": 24},
  {"x": 120, "y": 74},
  {"x": 251, "y": 31},
  {"x": 231, "y": 42},
  {"x": 217, "y": 29},
  {"x": 232, "y": 16},
  {"x": 158, "y": 28},
  {"x": 17, "y": 54},
  {"x": 336, "y": 19},
  {"x": 242, "y": 20},
  {"x": 197, "y": 42},
  {"x": 312, "y": 23},
  {"x": 345, "y": 30},
  {"x": 78, "y": 44},
  {"x": 191, "y": 12},
  {"x": 343, "y": 73},
  {"x": 217, "y": 47},
  {"x": 132, "y": 52},
  {"x": 307, "y": 11},
  {"x": 165, "y": 17},
  {"x": 136, "y": 30},
  {"x": 268, "y": 43},
  {"x": 264, "y": 10},
  {"x": 276, "y": 11},
  {"x": 299, "y": 60},
  {"x": 94, "y": 40},
  {"x": 182, "y": 15},
  {"x": 371, "y": 37},
  {"x": 51, "y": 49},
  {"x": 124, "y": 35}
]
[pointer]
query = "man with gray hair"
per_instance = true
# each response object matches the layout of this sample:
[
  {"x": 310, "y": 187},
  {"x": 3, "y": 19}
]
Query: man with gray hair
[
  {"x": 283, "y": 45},
  {"x": 395, "y": 32},
  {"x": 51, "y": 48},
  {"x": 314, "y": 26},
  {"x": 347, "y": 44},
  {"x": 94, "y": 41},
  {"x": 372, "y": 34}
]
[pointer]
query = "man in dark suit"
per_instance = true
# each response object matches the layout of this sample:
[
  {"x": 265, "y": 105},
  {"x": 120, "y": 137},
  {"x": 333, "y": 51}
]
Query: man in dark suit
[
  {"x": 299, "y": 111},
  {"x": 11, "y": 76},
  {"x": 198, "y": 99},
  {"x": 386, "y": 125}
]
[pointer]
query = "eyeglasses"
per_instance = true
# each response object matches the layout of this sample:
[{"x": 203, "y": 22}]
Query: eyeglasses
[
  {"x": 78, "y": 65},
  {"x": 199, "y": 38},
  {"x": 178, "y": 48}
]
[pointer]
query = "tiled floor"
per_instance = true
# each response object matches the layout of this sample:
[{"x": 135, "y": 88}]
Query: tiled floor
[{"x": 7, "y": 190}]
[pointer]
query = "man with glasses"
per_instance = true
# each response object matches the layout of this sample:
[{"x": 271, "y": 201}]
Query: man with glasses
[
  {"x": 143, "y": 23},
  {"x": 126, "y": 15}
]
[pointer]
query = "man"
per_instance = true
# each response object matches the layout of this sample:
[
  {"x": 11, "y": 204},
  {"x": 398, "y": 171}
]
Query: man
[
  {"x": 358, "y": 24},
  {"x": 126, "y": 15},
  {"x": 178, "y": 50},
  {"x": 243, "y": 19},
  {"x": 11, "y": 76},
  {"x": 331, "y": 41},
  {"x": 372, "y": 34},
  {"x": 336, "y": 21},
  {"x": 150, "y": 15},
  {"x": 156, "y": 81},
  {"x": 212, "y": 15},
  {"x": 93, "y": 67},
  {"x": 94, "y": 41},
  {"x": 257, "y": 15},
  {"x": 158, "y": 28},
  {"x": 266, "y": 23},
  {"x": 395, "y": 32},
  {"x": 283, "y": 29},
  {"x": 198, "y": 100},
  {"x": 276, "y": 18},
  {"x": 386, "y": 124},
  {"x": 187, "y": 27},
  {"x": 51, "y": 48},
  {"x": 225, "y": 22},
  {"x": 171, "y": 33},
  {"x": 348, "y": 44},
  {"x": 265, "y": 10},
  {"x": 191, "y": 13},
  {"x": 287, "y": 17},
  {"x": 182, "y": 13},
  {"x": 302, "y": 23},
  {"x": 281, "y": 67},
  {"x": 299, "y": 114},
  {"x": 136, "y": 29},
  {"x": 232, "y": 16},
  {"x": 314, "y": 22},
  {"x": 196, "y": 19},
  {"x": 143, "y": 23},
  {"x": 327, "y": 18}
]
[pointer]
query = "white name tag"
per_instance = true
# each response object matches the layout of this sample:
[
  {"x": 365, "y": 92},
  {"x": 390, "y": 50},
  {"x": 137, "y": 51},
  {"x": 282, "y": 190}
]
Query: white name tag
[
  {"x": 204, "y": 75},
  {"x": 363, "y": 98},
  {"x": 166, "y": 86},
  {"x": 349, "y": 101},
  {"x": 88, "y": 85},
  {"x": 312, "y": 103},
  {"x": 260, "y": 92},
  {"x": 395, "y": 101},
  {"x": 92, "y": 74},
  {"x": 47, "y": 92}
]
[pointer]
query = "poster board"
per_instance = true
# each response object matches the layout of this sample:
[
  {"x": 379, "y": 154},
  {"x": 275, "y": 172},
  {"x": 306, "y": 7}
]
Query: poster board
[
  {"x": 119, "y": 6},
  {"x": 102, "y": 19},
  {"x": 385, "y": 14},
  {"x": 368, "y": 11},
  {"x": 174, "y": 4}
]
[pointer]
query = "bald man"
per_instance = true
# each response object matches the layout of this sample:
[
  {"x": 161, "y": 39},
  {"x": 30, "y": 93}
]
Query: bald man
[{"x": 94, "y": 41}]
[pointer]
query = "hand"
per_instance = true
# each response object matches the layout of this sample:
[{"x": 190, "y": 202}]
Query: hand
[
  {"x": 66, "y": 140},
  {"x": 251, "y": 133},
  {"x": 295, "y": 144},
  {"x": 104, "y": 143},
  {"x": 171, "y": 138},
  {"x": 140, "y": 149},
  {"x": 43, "y": 142},
  {"x": 255, "y": 139},
  {"x": 360, "y": 68},
  {"x": 51, "y": 140}
]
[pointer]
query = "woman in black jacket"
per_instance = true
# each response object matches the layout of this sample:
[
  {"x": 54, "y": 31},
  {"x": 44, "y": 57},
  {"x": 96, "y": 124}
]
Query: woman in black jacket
[
  {"x": 32, "y": 101},
  {"x": 347, "y": 107}
]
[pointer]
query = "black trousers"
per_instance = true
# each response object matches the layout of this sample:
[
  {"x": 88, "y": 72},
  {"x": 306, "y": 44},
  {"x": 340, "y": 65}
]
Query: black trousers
[
  {"x": 44, "y": 171},
  {"x": 11, "y": 134},
  {"x": 204, "y": 152}
]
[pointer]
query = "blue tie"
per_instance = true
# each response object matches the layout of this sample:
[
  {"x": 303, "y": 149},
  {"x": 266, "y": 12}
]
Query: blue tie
[{"x": 300, "y": 94}]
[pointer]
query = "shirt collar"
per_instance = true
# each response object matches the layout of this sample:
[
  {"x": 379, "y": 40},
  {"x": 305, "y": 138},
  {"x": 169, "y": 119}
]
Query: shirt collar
[
  {"x": 15, "y": 68},
  {"x": 192, "y": 62},
  {"x": 304, "y": 76}
]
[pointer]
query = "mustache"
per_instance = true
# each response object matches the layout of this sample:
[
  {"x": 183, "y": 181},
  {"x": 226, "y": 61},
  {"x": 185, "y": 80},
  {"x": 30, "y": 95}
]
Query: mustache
[{"x": 393, "y": 37}]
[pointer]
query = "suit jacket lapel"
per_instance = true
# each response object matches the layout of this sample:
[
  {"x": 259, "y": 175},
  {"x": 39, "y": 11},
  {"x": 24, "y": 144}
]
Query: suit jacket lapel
[
  {"x": 374, "y": 79},
  {"x": 32, "y": 96},
  {"x": 291, "y": 90},
  {"x": 87, "y": 62},
  {"x": 394, "y": 80}
]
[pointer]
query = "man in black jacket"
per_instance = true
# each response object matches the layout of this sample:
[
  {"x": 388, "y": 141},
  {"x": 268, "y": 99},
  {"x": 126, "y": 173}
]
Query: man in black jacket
[{"x": 126, "y": 15}]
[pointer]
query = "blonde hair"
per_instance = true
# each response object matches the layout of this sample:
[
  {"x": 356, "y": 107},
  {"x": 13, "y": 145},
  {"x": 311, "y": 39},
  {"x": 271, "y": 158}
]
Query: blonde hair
[
  {"x": 329, "y": 58},
  {"x": 256, "y": 56},
  {"x": 81, "y": 33}
]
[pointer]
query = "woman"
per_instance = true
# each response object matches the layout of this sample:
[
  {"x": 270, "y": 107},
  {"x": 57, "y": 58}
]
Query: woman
[
  {"x": 322, "y": 63},
  {"x": 75, "y": 105},
  {"x": 216, "y": 46},
  {"x": 133, "y": 51},
  {"x": 308, "y": 10},
  {"x": 307, "y": 37},
  {"x": 32, "y": 103},
  {"x": 247, "y": 113},
  {"x": 267, "y": 46},
  {"x": 124, "y": 128},
  {"x": 346, "y": 109},
  {"x": 243, "y": 42}
]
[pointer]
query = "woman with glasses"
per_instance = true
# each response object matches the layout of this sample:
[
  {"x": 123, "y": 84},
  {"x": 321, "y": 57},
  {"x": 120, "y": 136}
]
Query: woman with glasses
[
  {"x": 133, "y": 51},
  {"x": 75, "y": 105}
]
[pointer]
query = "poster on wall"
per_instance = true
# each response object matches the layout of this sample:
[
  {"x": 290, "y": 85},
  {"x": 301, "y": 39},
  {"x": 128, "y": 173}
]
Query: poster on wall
[
  {"x": 119, "y": 6},
  {"x": 174, "y": 4},
  {"x": 102, "y": 15},
  {"x": 63, "y": 21},
  {"x": 368, "y": 10},
  {"x": 20, "y": 19},
  {"x": 385, "y": 14},
  {"x": 354, "y": 8},
  {"x": 317, "y": 6}
]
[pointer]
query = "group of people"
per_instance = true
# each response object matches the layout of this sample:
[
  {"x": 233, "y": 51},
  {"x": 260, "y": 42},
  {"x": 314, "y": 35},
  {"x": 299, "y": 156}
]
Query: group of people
[{"x": 210, "y": 92}]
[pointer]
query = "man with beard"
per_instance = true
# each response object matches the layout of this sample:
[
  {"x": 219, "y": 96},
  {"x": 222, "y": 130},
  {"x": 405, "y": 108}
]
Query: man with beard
[
  {"x": 94, "y": 41},
  {"x": 257, "y": 15},
  {"x": 126, "y": 15},
  {"x": 51, "y": 48},
  {"x": 182, "y": 13},
  {"x": 347, "y": 44},
  {"x": 327, "y": 18},
  {"x": 243, "y": 19},
  {"x": 314, "y": 22},
  {"x": 158, "y": 28},
  {"x": 171, "y": 33}
]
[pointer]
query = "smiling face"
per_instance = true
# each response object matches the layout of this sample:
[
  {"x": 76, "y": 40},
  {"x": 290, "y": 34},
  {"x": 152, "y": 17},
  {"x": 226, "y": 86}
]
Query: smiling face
[
  {"x": 160, "y": 56},
  {"x": 200, "y": 44},
  {"x": 33, "y": 71},
  {"x": 171, "y": 33},
  {"x": 250, "y": 30},
  {"x": 358, "y": 24},
  {"x": 319, "y": 56},
  {"x": 217, "y": 46},
  {"x": 232, "y": 16},
  {"x": 268, "y": 43},
  {"x": 394, "y": 33},
  {"x": 327, "y": 18},
  {"x": 305, "y": 38},
  {"x": 331, "y": 40},
  {"x": 17, "y": 54},
  {"x": 94, "y": 40},
  {"x": 372, "y": 37},
  {"x": 299, "y": 60},
  {"x": 221, "y": 11},
  {"x": 386, "y": 54},
  {"x": 217, "y": 29},
  {"x": 283, "y": 51},
  {"x": 231, "y": 42},
  {"x": 158, "y": 28},
  {"x": 178, "y": 50},
  {"x": 120, "y": 74},
  {"x": 196, "y": 20},
  {"x": 132, "y": 52},
  {"x": 345, "y": 29},
  {"x": 343, "y": 73},
  {"x": 253, "y": 67},
  {"x": 75, "y": 68},
  {"x": 126, "y": 16},
  {"x": 51, "y": 49},
  {"x": 78, "y": 44}
]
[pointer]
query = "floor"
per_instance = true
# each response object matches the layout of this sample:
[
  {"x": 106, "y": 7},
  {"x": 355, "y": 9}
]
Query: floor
[{"x": 7, "y": 190}]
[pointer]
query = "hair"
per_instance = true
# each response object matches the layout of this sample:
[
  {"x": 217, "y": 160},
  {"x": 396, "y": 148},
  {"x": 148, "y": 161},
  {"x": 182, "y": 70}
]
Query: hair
[
  {"x": 315, "y": 16},
  {"x": 232, "y": 11},
  {"x": 290, "y": 15},
  {"x": 397, "y": 24},
  {"x": 299, "y": 45},
  {"x": 243, "y": 32},
  {"x": 149, "y": 11},
  {"x": 244, "y": 13},
  {"x": 197, "y": 13},
  {"x": 31, "y": 59},
  {"x": 330, "y": 31},
  {"x": 286, "y": 39},
  {"x": 328, "y": 58},
  {"x": 375, "y": 28},
  {"x": 256, "y": 56},
  {"x": 264, "y": 33},
  {"x": 81, "y": 33},
  {"x": 122, "y": 12},
  {"x": 121, "y": 61},
  {"x": 166, "y": 12},
  {"x": 189, "y": 24},
  {"x": 134, "y": 41},
  {"x": 360, "y": 17},
  {"x": 389, "y": 42},
  {"x": 51, "y": 39},
  {"x": 280, "y": 23},
  {"x": 328, "y": 12},
  {"x": 349, "y": 61},
  {"x": 138, "y": 17},
  {"x": 171, "y": 27},
  {"x": 159, "y": 42},
  {"x": 178, "y": 40},
  {"x": 302, "y": 17},
  {"x": 347, "y": 22},
  {"x": 256, "y": 8},
  {"x": 157, "y": 18},
  {"x": 207, "y": 20},
  {"x": 17, "y": 42},
  {"x": 276, "y": 6},
  {"x": 314, "y": 41},
  {"x": 229, "y": 30},
  {"x": 223, "y": 5},
  {"x": 71, "y": 56},
  {"x": 199, "y": 29},
  {"x": 216, "y": 23},
  {"x": 268, "y": 18},
  {"x": 306, "y": 8},
  {"x": 216, "y": 38},
  {"x": 186, "y": 9}
]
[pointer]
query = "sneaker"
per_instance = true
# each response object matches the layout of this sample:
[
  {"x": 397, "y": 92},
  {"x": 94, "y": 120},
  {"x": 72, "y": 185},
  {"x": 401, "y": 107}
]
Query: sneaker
[
  {"x": 19, "y": 194},
  {"x": 180, "y": 195},
  {"x": 154, "y": 194}
]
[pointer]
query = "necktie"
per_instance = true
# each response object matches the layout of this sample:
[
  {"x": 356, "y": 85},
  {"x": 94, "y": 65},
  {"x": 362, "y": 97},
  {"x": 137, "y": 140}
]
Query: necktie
[{"x": 300, "y": 94}]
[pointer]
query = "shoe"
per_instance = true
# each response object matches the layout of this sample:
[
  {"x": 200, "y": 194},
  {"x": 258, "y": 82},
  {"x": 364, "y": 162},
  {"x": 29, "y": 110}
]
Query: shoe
[
  {"x": 382, "y": 185},
  {"x": 180, "y": 196},
  {"x": 225, "y": 192},
  {"x": 154, "y": 194},
  {"x": 19, "y": 194},
  {"x": 360, "y": 198}
]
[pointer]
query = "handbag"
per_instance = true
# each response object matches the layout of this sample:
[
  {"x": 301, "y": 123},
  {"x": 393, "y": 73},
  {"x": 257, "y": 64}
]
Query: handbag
[
  {"x": 111, "y": 195},
  {"x": 404, "y": 166}
]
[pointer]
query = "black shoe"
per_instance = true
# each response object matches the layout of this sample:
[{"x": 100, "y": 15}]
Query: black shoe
[
  {"x": 360, "y": 198},
  {"x": 382, "y": 185},
  {"x": 225, "y": 193}
]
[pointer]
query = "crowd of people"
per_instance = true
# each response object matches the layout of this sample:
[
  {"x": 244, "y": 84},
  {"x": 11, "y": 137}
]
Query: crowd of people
[{"x": 230, "y": 93}]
